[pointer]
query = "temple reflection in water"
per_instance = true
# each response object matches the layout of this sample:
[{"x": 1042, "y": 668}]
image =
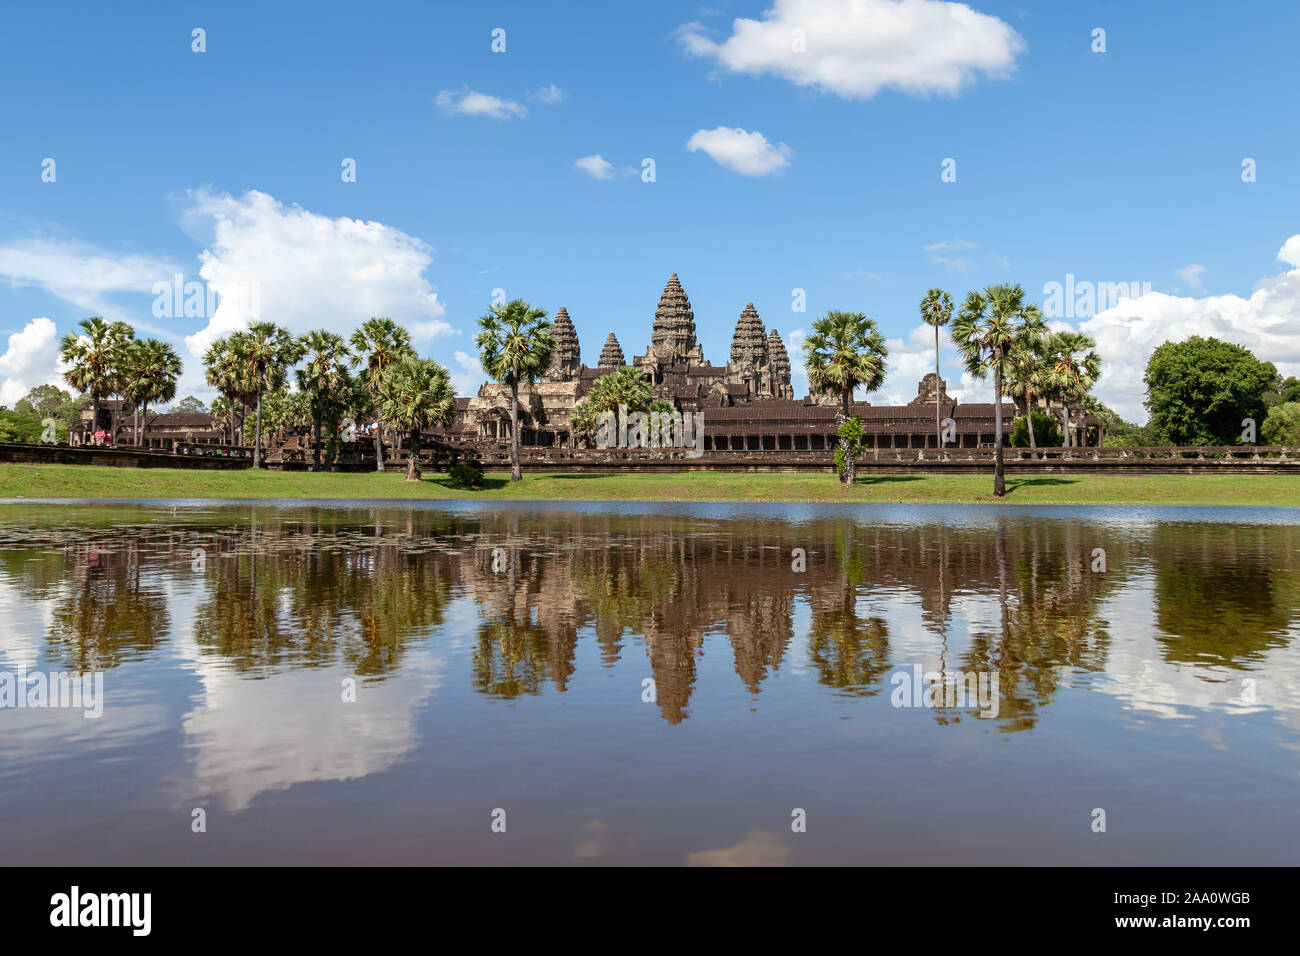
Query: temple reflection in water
[{"x": 842, "y": 599}]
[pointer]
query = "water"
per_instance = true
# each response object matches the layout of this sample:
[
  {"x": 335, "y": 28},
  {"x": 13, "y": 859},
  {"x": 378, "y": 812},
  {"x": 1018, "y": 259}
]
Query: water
[{"x": 657, "y": 684}]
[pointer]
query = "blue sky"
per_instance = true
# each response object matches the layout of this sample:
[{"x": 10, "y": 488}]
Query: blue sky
[{"x": 1122, "y": 166}]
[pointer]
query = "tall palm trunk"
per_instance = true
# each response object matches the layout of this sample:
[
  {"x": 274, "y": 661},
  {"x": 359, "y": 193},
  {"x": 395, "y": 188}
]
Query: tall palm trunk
[
  {"x": 144, "y": 424},
  {"x": 94, "y": 415},
  {"x": 413, "y": 463},
  {"x": 1029, "y": 420},
  {"x": 850, "y": 475},
  {"x": 1065, "y": 406},
  {"x": 257, "y": 429},
  {"x": 999, "y": 479},
  {"x": 515, "y": 473},
  {"x": 379, "y": 444},
  {"x": 318, "y": 413},
  {"x": 937, "y": 431},
  {"x": 232, "y": 418}
]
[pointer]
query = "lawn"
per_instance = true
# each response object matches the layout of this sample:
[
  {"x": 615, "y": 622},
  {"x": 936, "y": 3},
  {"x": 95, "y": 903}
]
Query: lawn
[{"x": 90, "y": 481}]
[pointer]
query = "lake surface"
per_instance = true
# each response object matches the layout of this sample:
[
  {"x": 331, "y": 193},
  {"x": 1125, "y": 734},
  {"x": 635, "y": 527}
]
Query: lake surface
[{"x": 365, "y": 683}]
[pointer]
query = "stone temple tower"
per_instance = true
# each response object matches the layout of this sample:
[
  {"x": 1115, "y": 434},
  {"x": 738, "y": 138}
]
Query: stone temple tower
[
  {"x": 673, "y": 333},
  {"x": 611, "y": 356},
  {"x": 749, "y": 341},
  {"x": 566, "y": 360},
  {"x": 779, "y": 361}
]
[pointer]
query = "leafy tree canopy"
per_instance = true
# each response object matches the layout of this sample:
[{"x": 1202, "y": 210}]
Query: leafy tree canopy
[
  {"x": 1282, "y": 427},
  {"x": 1200, "y": 390}
]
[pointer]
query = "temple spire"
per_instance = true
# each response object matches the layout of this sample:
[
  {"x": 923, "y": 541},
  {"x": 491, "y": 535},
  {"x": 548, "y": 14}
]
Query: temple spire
[
  {"x": 673, "y": 332},
  {"x": 749, "y": 341},
  {"x": 611, "y": 356},
  {"x": 567, "y": 357}
]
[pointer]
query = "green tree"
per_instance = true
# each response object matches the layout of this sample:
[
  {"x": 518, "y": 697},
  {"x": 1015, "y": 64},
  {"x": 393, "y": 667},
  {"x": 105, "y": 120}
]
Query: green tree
[
  {"x": 225, "y": 371},
  {"x": 515, "y": 344},
  {"x": 626, "y": 386},
  {"x": 377, "y": 345},
  {"x": 1073, "y": 366},
  {"x": 1286, "y": 390},
  {"x": 266, "y": 352},
  {"x": 1200, "y": 390},
  {"x": 325, "y": 372},
  {"x": 1026, "y": 380},
  {"x": 845, "y": 352},
  {"x": 1282, "y": 426},
  {"x": 94, "y": 356},
  {"x": 1045, "y": 426},
  {"x": 149, "y": 374},
  {"x": 189, "y": 405},
  {"x": 45, "y": 401},
  {"x": 936, "y": 310},
  {"x": 414, "y": 395},
  {"x": 988, "y": 328}
]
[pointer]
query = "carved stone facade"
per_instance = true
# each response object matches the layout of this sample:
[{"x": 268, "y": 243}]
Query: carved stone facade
[
  {"x": 748, "y": 404},
  {"x": 674, "y": 363}
]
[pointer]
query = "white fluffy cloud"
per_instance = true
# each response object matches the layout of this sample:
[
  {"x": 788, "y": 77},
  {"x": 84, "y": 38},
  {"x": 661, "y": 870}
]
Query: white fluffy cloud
[
  {"x": 1192, "y": 276},
  {"x": 854, "y": 48},
  {"x": 596, "y": 166},
  {"x": 749, "y": 154},
  {"x": 1267, "y": 323},
  {"x": 467, "y": 102},
  {"x": 547, "y": 94},
  {"x": 306, "y": 271},
  {"x": 470, "y": 376},
  {"x": 262, "y": 260},
  {"x": 30, "y": 360},
  {"x": 84, "y": 276}
]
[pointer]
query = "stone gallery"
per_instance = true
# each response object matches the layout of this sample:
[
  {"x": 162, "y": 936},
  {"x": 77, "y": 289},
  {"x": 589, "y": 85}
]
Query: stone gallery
[{"x": 748, "y": 404}]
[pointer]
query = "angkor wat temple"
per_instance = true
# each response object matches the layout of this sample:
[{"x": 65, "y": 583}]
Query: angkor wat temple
[{"x": 748, "y": 404}]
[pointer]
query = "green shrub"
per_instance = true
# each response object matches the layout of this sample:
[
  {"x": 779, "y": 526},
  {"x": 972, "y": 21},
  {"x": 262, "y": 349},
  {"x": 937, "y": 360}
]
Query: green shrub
[
  {"x": 1047, "y": 431},
  {"x": 1282, "y": 426},
  {"x": 465, "y": 476}
]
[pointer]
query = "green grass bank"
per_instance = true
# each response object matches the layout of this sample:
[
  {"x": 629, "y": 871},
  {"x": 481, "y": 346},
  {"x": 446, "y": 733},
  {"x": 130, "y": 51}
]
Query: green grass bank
[{"x": 89, "y": 481}]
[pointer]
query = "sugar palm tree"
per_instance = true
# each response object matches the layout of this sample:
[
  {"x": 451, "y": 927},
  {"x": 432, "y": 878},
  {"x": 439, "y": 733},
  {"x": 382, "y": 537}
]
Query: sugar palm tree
[
  {"x": 324, "y": 373},
  {"x": 223, "y": 371},
  {"x": 625, "y": 385},
  {"x": 1073, "y": 369},
  {"x": 150, "y": 371},
  {"x": 416, "y": 394},
  {"x": 266, "y": 352},
  {"x": 845, "y": 352},
  {"x": 95, "y": 356},
  {"x": 377, "y": 345},
  {"x": 936, "y": 310},
  {"x": 515, "y": 344},
  {"x": 1025, "y": 381},
  {"x": 986, "y": 331}
]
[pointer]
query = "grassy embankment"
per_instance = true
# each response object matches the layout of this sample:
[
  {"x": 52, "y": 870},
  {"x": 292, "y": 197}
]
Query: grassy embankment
[{"x": 89, "y": 481}]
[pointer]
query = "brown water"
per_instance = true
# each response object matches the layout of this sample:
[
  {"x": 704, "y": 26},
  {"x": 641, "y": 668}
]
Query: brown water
[{"x": 652, "y": 684}]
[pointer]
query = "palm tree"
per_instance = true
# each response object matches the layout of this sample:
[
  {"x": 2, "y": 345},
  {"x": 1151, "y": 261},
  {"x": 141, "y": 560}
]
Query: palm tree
[
  {"x": 325, "y": 373},
  {"x": 223, "y": 371},
  {"x": 266, "y": 352},
  {"x": 149, "y": 375},
  {"x": 1026, "y": 380},
  {"x": 95, "y": 356},
  {"x": 515, "y": 343},
  {"x": 625, "y": 385},
  {"x": 936, "y": 310},
  {"x": 844, "y": 353},
  {"x": 378, "y": 344},
  {"x": 986, "y": 330},
  {"x": 415, "y": 394},
  {"x": 1073, "y": 369}
]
